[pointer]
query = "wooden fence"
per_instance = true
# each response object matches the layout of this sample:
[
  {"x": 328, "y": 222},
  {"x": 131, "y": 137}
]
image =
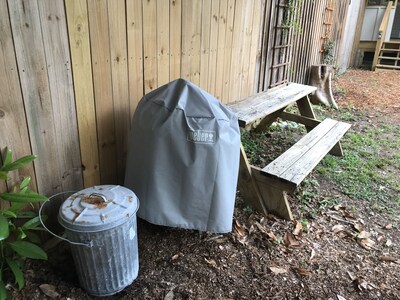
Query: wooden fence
[{"x": 73, "y": 71}]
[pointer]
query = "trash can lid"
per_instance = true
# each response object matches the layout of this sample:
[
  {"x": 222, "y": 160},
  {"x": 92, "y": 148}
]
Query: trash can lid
[{"x": 98, "y": 208}]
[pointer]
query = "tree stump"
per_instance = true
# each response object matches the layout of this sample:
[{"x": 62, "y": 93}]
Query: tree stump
[{"x": 321, "y": 77}]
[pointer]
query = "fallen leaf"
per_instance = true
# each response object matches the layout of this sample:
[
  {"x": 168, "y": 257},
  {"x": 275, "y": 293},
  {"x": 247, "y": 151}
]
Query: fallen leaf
[
  {"x": 270, "y": 234},
  {"x": 367, "y": 243},
  {"x": 363, "y": 235},
  {"x": 338, "y": 228},
  {"x": 289, "y": 240},
  {"x": 49, "y": 290},
  {"x": 340, "y": 297},
  {"x": 359, "y": 227},
  {"x": 238, "y": 228},
  {"x": 388, "y": 226},
  {"x": 211, "y": 262},
  {"x": 298, "y": 228},
  {"x": 175, "y": 257},
  {"x": 380, "y": 238},
  {"x": 277, "y": 270},
  {"x": 388, "y": 243},
  {"x": 170, "y": 295},
  {"x": 312, "y": 254},
  {"x": 387, "y": 258},
  {"x": 352, "y": 276},
  {"x": 303, "y": 272}
]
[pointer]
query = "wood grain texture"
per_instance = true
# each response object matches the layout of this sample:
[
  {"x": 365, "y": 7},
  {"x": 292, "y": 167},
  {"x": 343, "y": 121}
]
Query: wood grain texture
[
  {"x": 31, "y": 60},
  {"x": 205, "y": 43},
  {"x": 219, "y": 67},
  {"x": 120, "y": 89},
  {"x": 103, "y": 90},
  {"x": 13, "y": 123},
  {"x": 78, "y": 30},
  {"x": 175, "y": 39},
  {"x": 196, "y": 41},
  {"x": 228, "y": 51},
  {"x": 213, "y": 46},
  {"x": 134, "y": 15},
  {"x": 163, "y": 33},
  {"x": 150, "y": 44},
  {"x": 298, "y": 161},
  {"x": 57, "y": 55}
]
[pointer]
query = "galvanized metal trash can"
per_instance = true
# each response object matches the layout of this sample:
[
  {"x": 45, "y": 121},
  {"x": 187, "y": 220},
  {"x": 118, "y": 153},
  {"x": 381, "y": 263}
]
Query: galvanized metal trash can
[{"x": 103, "y": 218}]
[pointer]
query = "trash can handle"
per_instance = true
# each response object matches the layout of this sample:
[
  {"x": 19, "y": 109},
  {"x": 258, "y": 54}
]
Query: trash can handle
[
  {"x": 99, "y": 195},
  {"x": 89, "y": 244}
]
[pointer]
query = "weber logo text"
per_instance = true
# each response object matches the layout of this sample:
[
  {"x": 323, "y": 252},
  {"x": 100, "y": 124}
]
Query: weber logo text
[{"x": 201, "y": 136}]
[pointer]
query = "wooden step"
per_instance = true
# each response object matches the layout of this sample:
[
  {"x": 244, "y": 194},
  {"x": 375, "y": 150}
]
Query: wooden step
[
  {"x": 389, "y": 57},
  {"x": 380, "y": 66},
  {"x": 390, "y": 50}
]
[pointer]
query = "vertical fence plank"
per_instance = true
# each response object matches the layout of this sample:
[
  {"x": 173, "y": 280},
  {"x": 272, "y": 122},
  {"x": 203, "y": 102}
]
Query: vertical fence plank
[
  {"x": 175, "y": 39},
  {"x": 213, "y": 45},
  {"x": 246, "y": 46},
  {"x": 150, "y": 44},
  {"x": 134, "y": 14},
  {"x": 254, "y": 48},
  {"x": 163, "y": 33},
  {"x": 205, "y": 43},
  {"x": 187, "y": 50},
  {"x": 55, "y": 38},
  {"x": 31, "y": 61},
  {"x": 228, "y": 51},
  {"x": 236, "y": 62},
  {"x": 78, "y": 29},
  {"x": 120, "y": 90},
  {"x": 196, "y": 41},
  {"x": 13, "y": 124},
  {"x": 219, "y": 67},
  {"x": 100, "y": 41}
]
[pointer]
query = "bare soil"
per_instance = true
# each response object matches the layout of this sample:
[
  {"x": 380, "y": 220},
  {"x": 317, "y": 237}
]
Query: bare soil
[{"x": 319, "y": 256}]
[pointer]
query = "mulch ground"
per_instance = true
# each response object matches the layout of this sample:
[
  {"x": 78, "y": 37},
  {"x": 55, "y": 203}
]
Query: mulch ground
[{"x": 343, "y": 251}]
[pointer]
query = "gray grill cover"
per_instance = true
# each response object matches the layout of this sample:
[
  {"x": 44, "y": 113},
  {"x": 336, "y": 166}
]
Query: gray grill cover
[{"x": 183, "y": 158}]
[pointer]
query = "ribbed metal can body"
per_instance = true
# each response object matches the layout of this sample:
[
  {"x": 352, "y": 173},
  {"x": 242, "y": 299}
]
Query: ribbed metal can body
[{"x": 112, "y": 263}]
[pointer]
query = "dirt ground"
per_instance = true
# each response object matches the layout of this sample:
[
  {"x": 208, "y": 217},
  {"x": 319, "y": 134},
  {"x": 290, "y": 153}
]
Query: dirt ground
[{"x": 312, "y": 257}]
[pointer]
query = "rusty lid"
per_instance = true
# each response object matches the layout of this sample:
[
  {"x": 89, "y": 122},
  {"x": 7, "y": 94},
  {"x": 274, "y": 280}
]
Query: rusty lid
[{"x": 98, "y": 208}]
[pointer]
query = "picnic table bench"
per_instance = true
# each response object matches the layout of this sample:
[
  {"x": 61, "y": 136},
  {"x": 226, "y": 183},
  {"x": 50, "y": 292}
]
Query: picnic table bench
[{"x": 266, "y": 188}]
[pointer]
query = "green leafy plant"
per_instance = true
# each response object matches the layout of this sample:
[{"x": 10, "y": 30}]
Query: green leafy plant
[{"x": 18, "y": 224}]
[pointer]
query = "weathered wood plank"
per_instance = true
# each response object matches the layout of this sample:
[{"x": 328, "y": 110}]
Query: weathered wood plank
[
  {"x": 213, "y": 46},
  {"x": 298, "y": 161},
  {"x": 102, "y": 83},
  {"x": 245, "y": 48},
  {"x": 163, "y": 33},
  {"x": 265, "y": 103},
  {"x": 187, "y": 50},
  {"x": 55, "y": 41},
  {"x": 120, "y": 89},
  {"x": 219, "y": 67},
  {"x": 134, "y": 15},
  {"x": 78, "y": 30},
  {"x": 150, "y": 45},
  {"x": 175, "y": 39},
  {"x": 228, "y": 51},
  {"x": 205, "y": 43},
  {"x": 31, "y": 60},
  {"x": 13, "y": 123},
  {"x": 196, "y": 41}
]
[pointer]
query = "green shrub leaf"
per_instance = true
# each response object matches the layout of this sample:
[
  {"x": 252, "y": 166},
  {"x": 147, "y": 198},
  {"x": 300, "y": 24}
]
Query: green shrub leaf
[
  {"x": 33, "y": 237},
  {"x": 19, "y": 276},
  {"x": 32, "y": 223},
  {"x": 27, "y": 249},
  {"x": 18, "y": 163},
  {"x": 23, "y": 198},
  {"x": 4, "y": 230},
  {"x": 9, "y": 214},
  {"x": 7, "y": 156},
  {"x": 3, "y": 291},
  {"x": 25, "y": 182},
  {"x": 3, "y": 175}
]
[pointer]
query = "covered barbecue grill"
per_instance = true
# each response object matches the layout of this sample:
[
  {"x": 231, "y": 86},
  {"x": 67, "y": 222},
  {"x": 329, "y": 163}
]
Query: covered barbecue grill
[{"x": 183, "y": 158}]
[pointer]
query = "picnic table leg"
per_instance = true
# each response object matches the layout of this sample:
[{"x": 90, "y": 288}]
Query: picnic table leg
[
  {"x": 248, "y": 186},
  {"x": 305, "y": 109}
]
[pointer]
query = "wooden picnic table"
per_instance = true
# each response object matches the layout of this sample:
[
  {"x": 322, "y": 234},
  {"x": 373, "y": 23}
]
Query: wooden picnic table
[{"x": 266, "y": 188}]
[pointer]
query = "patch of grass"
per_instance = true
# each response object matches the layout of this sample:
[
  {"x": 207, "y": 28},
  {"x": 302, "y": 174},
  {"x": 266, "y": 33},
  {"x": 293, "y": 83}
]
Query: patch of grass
[{"x": 370, "y": 166}]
